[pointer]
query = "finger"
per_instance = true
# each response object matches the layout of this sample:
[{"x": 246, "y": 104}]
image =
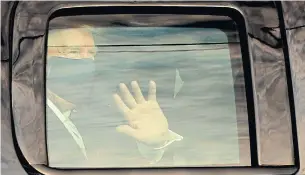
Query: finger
[
  {"x": 137, "y": 92},
  {"x": 130, "y": 101},
  {"x": 121, "y": 105},
  {"x": 128, "y": 131},
  {"x": 152, "y": 91}
]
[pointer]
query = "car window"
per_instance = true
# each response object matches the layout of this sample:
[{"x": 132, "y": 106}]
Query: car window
[{"x": 134, "y": 96}]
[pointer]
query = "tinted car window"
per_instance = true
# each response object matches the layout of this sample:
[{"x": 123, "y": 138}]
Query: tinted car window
[{"x": 92, "y": 121}]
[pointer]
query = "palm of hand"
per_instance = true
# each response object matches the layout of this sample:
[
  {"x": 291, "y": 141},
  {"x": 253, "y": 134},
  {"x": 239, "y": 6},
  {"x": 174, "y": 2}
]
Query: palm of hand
[{"x": 147, "y": 122}]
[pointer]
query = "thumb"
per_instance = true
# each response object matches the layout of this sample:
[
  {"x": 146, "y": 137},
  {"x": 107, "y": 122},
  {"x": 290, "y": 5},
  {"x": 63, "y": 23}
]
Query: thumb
[{"x": 126, "y": 129}]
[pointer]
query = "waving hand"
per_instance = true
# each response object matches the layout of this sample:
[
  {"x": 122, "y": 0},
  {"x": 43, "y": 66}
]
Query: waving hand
[{"x": 147, "y": 122}]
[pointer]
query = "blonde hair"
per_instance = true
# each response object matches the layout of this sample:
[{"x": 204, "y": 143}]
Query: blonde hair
[
  {"x": 54, "y": 34},
  {"x": 59, "y": 41}
]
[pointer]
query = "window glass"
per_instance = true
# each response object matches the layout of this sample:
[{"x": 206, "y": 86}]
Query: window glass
[{"x": 134, "y": 96}]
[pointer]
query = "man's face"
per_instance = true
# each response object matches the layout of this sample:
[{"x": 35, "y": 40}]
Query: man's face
[{"x": 72, "y": 43}]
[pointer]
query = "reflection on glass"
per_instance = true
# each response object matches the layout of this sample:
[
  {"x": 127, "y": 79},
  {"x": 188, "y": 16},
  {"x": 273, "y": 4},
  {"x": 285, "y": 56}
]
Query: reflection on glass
[{"x": 141, "y": 97}]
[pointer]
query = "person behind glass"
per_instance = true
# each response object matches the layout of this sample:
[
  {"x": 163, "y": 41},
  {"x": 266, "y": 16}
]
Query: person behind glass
[{"x": 75, "y": 49}]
